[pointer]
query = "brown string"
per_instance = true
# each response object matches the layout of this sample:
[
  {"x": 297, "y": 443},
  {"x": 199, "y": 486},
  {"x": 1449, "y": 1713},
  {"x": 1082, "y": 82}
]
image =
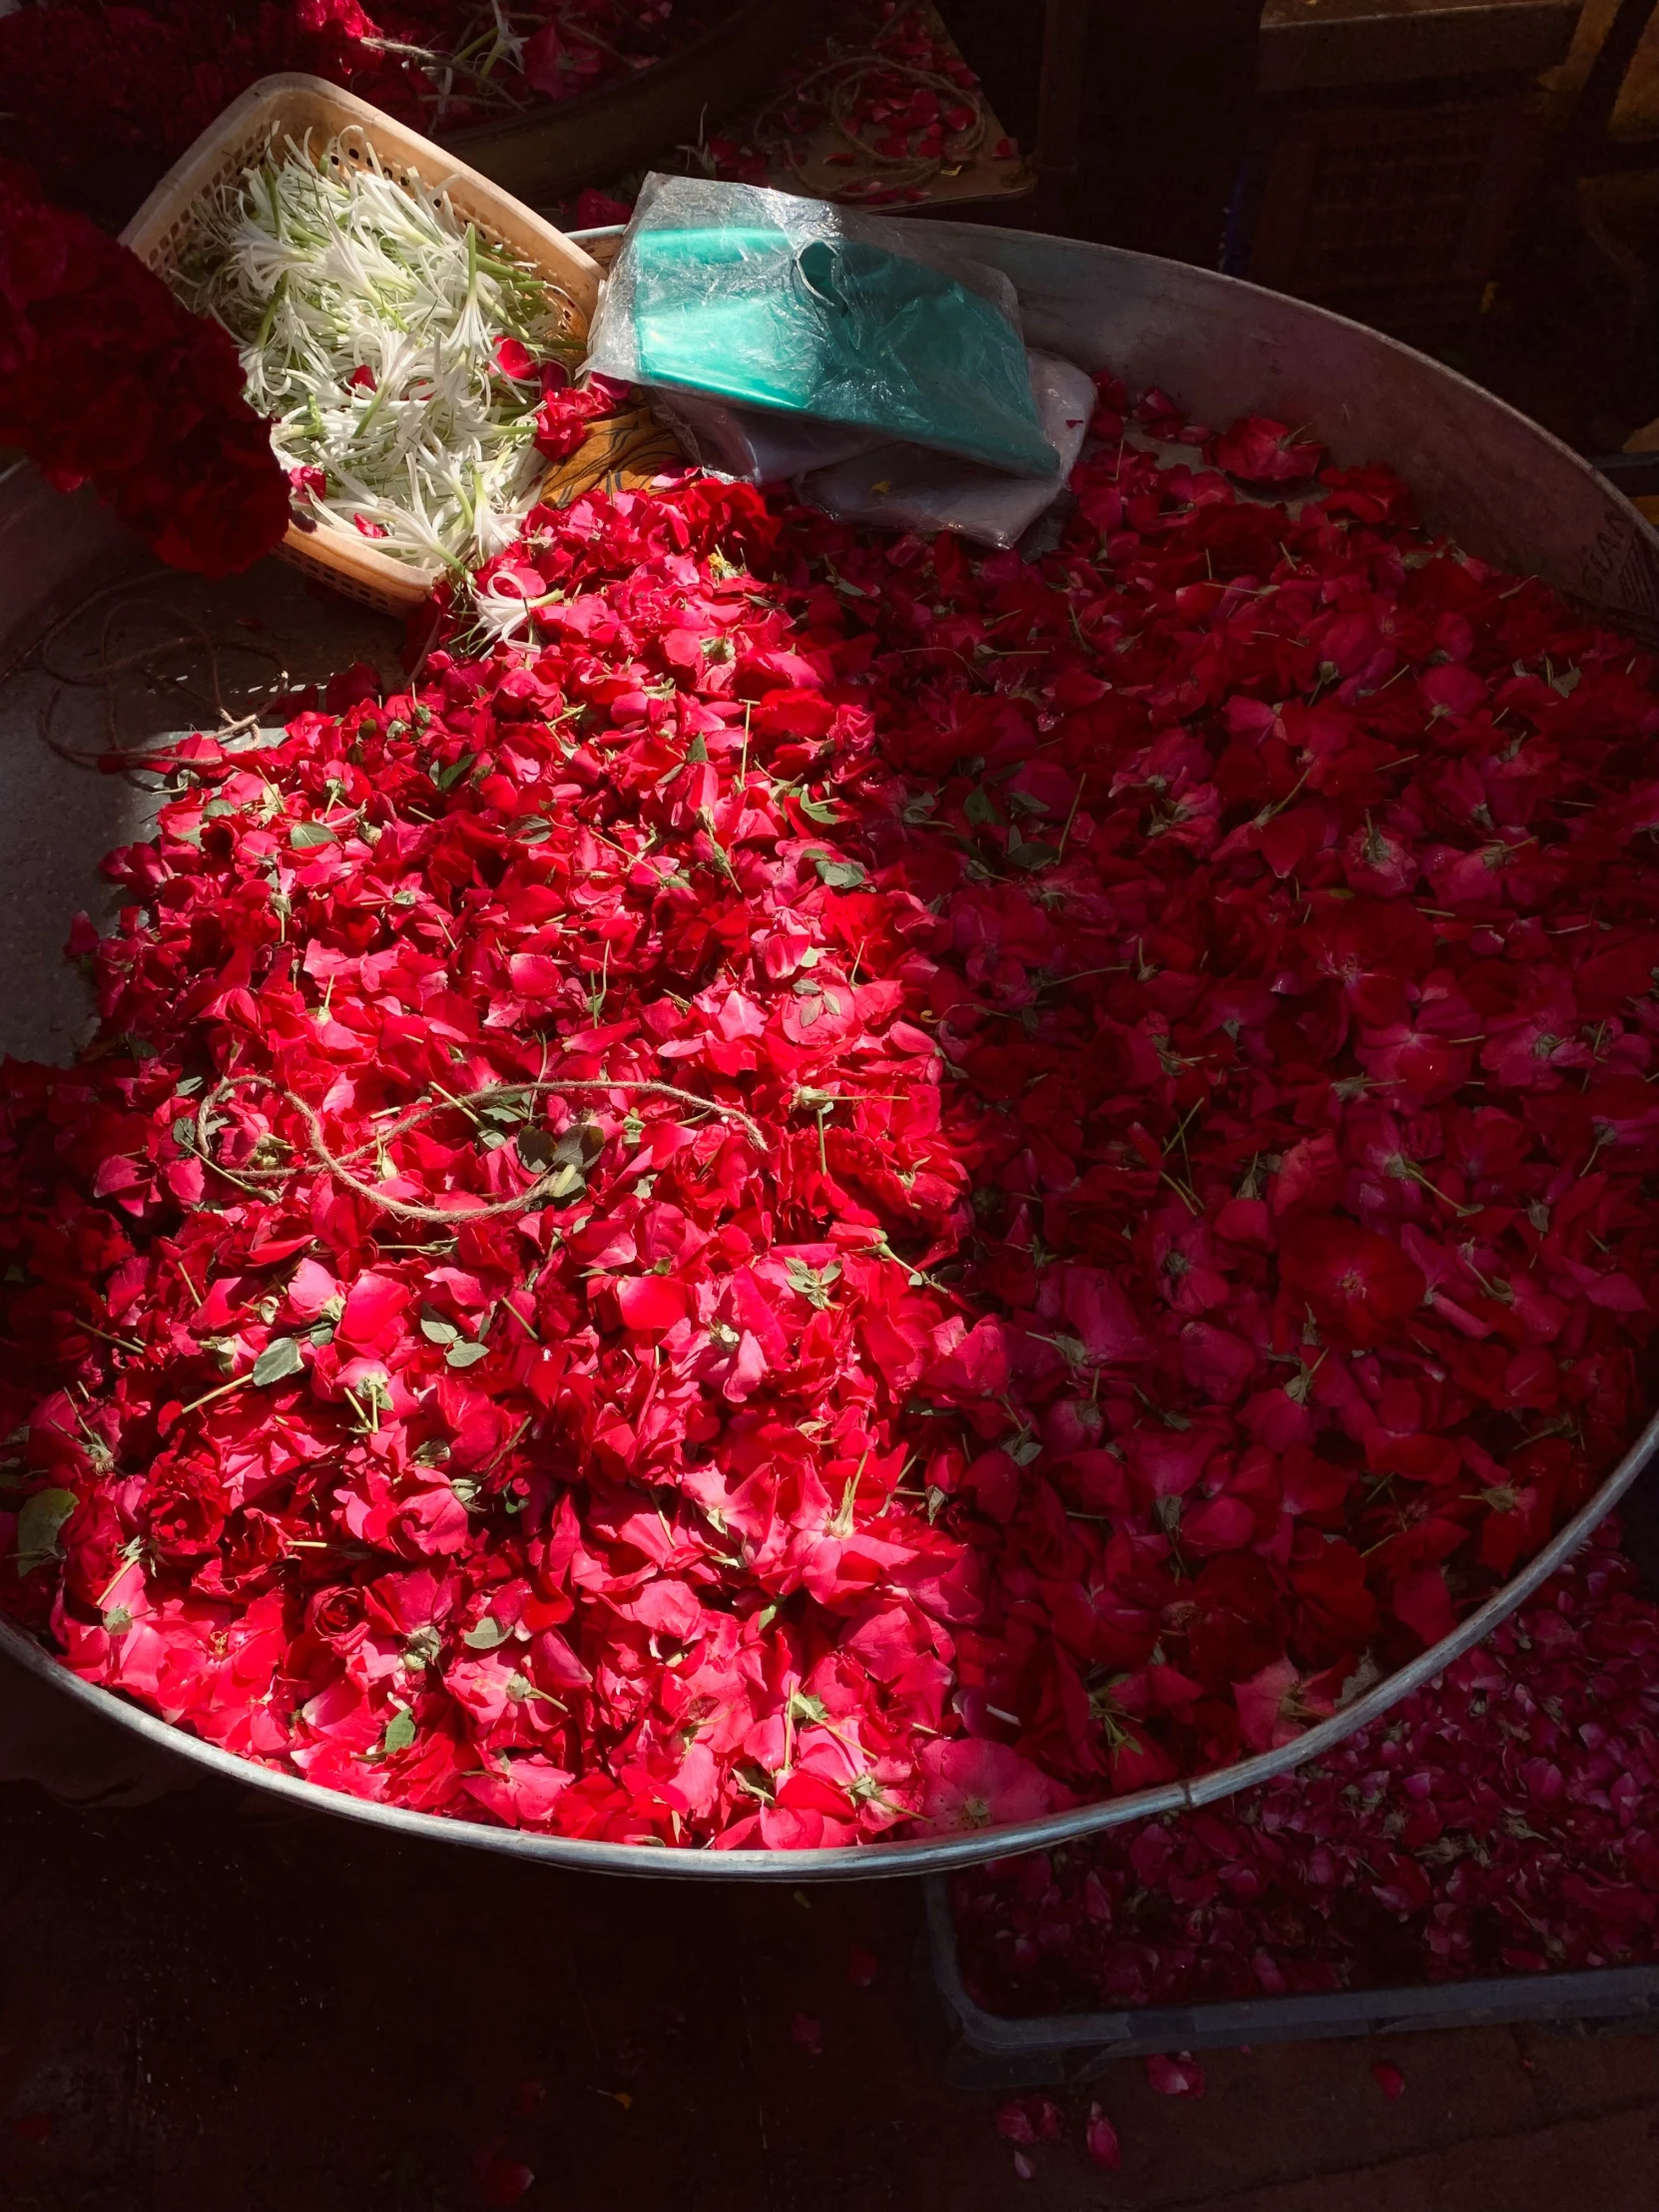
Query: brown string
[
  {"x": 337, "y": 1166},
  {"x": 107, "y": 671}
]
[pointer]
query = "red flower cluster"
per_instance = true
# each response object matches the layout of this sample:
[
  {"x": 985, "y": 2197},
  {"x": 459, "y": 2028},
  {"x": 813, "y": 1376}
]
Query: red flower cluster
[
  {"x": 1499, "y": 1821},
  {"x": 568, "y": 412},
  {"x": 1052, "y": 1156},
  {"x": 105, "y": 378}
]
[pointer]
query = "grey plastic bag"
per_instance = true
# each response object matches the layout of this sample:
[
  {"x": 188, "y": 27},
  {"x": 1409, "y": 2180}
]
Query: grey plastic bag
[{"x": 905, "y": 487}]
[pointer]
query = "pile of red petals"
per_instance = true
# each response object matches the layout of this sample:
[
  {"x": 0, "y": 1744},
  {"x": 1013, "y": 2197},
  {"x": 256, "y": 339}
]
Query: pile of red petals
[
  {"x": 588, "y": 1503},
  {"x": 1505, "y": 1820},
  {"x": 1056, "y": 1154},
  {"x": 106, "y": 379}
]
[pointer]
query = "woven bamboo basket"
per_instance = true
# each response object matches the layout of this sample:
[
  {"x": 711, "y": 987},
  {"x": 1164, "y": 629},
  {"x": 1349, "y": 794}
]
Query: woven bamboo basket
[{"x": 296, "y": 107}]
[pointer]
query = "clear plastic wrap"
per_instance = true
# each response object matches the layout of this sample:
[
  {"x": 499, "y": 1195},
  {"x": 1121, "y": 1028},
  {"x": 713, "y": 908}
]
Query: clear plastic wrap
[
  {"x": 804, "y": 309},
  {"x": 905, "y": 487}
]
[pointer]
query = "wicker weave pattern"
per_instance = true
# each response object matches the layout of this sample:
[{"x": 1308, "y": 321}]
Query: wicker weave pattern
[{"x": 171, "y": 221}]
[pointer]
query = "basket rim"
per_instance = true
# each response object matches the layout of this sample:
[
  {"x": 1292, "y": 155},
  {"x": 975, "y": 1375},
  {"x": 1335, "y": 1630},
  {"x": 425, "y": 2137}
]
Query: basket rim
[{"x": 269, "y": 92}]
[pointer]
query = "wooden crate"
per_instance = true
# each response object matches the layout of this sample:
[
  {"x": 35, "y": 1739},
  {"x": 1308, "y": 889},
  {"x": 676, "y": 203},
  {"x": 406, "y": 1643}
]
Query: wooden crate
[{"x": 1396, "y": 210}]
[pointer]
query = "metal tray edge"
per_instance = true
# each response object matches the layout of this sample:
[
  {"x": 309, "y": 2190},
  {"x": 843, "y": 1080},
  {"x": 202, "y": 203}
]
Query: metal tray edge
[{"x": 1048, "y": 2046}]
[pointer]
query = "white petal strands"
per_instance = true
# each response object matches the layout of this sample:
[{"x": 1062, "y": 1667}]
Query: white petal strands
[{"x": 369, "y": 314}]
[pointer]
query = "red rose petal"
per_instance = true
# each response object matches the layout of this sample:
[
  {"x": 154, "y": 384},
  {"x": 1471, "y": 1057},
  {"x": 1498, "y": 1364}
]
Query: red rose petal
[
  {"x": 861, "y": 1966},
  {"x": 651, "y": 1302},
  {"x": 1034, "y": 2118},
  {"x": 502, "y": 2179},
  {"x": 1177, "y": 2076},
  {"x": 1100, "y": 2140},
  {"x": 514, "y": 360}
]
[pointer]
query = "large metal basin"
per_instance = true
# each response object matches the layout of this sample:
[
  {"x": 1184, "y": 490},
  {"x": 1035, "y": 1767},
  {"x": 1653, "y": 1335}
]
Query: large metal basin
[{"x": 1501, "y": 486}]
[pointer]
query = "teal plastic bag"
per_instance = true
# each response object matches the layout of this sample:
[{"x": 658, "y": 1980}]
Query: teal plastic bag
[{"x": 818, "y": 314}]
